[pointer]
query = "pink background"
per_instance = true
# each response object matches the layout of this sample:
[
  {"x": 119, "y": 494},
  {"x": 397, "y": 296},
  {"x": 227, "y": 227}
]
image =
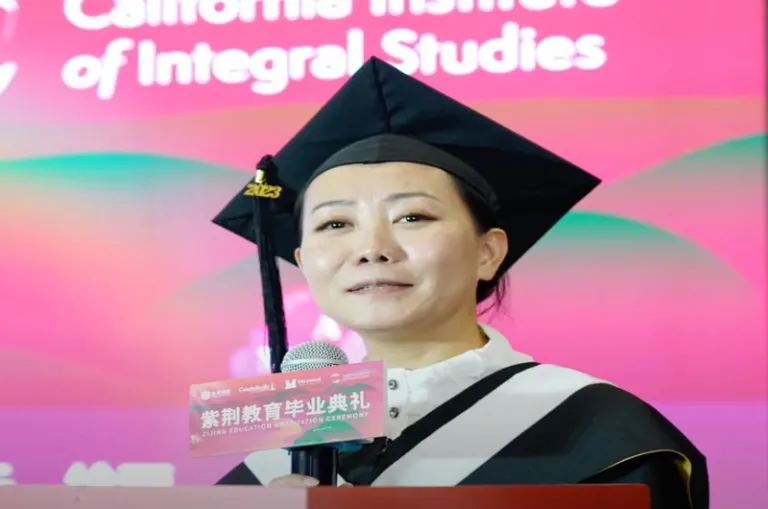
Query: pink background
[{"x": 118, "y": 293}]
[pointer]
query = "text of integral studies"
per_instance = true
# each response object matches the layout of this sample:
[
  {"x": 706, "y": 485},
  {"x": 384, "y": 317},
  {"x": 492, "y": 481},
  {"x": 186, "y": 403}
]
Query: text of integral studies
[{"x": 271, "y": 70}]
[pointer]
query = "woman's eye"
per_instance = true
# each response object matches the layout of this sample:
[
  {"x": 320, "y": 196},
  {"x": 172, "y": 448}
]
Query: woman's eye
[
  {"x": 413, "y": 218},
  {"x": 331, "y": 225}
]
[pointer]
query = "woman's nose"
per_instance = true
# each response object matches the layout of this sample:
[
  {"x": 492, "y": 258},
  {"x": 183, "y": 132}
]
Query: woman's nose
[{"x": 380, "y": 246}]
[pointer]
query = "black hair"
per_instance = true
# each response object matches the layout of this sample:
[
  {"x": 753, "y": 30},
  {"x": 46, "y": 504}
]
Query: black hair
[{"x": 484, "y": 217}]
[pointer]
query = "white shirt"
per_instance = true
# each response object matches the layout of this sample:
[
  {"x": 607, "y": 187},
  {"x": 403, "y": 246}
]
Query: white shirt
[{"x": 412, "y": 394}]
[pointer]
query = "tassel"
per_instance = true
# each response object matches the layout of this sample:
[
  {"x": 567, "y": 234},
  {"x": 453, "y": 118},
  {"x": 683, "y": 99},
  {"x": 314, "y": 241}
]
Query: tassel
[{"x": 272, "y": 293}]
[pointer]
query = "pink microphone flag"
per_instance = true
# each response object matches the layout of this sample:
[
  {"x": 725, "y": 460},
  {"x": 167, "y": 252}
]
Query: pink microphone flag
[{"x": 336, "y": 404}]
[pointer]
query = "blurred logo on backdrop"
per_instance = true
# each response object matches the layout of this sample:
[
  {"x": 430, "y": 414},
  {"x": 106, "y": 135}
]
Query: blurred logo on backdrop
[
  {"x": 6, "y": 474},
  {"x": 101, "y": 473},
  {"x": 9, "y": 15},
  {"x": 304, "y": 322}
]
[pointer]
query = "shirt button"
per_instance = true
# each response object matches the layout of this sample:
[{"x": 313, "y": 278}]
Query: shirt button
[
  {"x": 392, "y": 384},
  {"x": 394, "y": 412}
]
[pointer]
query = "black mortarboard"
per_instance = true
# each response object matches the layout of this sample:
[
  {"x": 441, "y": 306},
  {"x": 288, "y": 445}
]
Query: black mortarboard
[{"x": 384, "y": 115}]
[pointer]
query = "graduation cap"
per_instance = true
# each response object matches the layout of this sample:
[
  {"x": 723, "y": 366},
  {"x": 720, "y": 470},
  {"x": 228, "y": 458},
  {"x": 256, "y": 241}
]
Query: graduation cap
[{"x": 383, "y": 115}]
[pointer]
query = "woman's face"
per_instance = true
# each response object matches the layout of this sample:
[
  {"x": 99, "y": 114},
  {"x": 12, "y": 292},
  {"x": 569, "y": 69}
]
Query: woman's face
[{"x": 393, "y": 245}]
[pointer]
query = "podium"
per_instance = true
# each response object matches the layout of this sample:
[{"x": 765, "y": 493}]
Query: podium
[{"x": 609, "y": 496}]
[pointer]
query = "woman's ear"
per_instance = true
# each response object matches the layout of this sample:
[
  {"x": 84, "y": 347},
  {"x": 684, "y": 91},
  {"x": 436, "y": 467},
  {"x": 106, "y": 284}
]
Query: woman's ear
[
  {"x": 297, "y": 256},
  {"x": 493, "y": 246}
]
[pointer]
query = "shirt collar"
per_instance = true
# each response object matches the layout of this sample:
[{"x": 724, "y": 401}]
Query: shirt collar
[{"x": 472, "y": 365}]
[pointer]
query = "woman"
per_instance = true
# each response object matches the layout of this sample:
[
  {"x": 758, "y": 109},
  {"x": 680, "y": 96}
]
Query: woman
[{"x": 404, "y": 210}]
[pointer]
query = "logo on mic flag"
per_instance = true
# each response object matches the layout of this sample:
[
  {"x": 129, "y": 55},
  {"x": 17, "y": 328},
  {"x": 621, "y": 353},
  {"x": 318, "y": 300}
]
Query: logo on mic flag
[{"x": 320, "y": 406}]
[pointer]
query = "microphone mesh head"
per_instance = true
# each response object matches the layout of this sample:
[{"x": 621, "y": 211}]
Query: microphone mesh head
[{"x": 313, "y": 355}]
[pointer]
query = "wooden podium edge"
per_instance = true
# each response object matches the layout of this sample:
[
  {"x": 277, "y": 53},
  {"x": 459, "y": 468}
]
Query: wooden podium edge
[{"x": 606, "y": 496}]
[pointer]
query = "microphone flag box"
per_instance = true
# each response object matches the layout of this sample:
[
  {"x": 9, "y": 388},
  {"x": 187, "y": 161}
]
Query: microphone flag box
[{"x": 284, "y": 410}]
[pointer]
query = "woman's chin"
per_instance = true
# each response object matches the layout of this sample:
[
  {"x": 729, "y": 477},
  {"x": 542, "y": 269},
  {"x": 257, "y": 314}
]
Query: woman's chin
[{"x": 379, "y": 321}]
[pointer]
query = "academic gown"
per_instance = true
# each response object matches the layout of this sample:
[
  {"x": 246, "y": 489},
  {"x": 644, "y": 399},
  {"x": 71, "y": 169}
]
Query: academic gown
[{"x": 524, "y": 423}]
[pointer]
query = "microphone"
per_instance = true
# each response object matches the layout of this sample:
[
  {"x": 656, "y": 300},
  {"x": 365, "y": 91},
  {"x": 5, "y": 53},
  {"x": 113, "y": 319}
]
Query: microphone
[{"x": 318, "y": 461}]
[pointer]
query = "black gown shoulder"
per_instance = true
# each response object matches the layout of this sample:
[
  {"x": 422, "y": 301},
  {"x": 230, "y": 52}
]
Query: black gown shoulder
[{"x": 593, "y": 433}]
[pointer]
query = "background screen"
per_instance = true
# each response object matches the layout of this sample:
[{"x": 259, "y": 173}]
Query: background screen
[{"x": 124, "y": 130}]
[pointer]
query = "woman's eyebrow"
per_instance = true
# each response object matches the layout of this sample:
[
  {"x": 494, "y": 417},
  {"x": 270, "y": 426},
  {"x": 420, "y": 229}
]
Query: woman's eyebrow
[
  {"x": 332, "y": 203},
  {"x": 401, "y": 196}
]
